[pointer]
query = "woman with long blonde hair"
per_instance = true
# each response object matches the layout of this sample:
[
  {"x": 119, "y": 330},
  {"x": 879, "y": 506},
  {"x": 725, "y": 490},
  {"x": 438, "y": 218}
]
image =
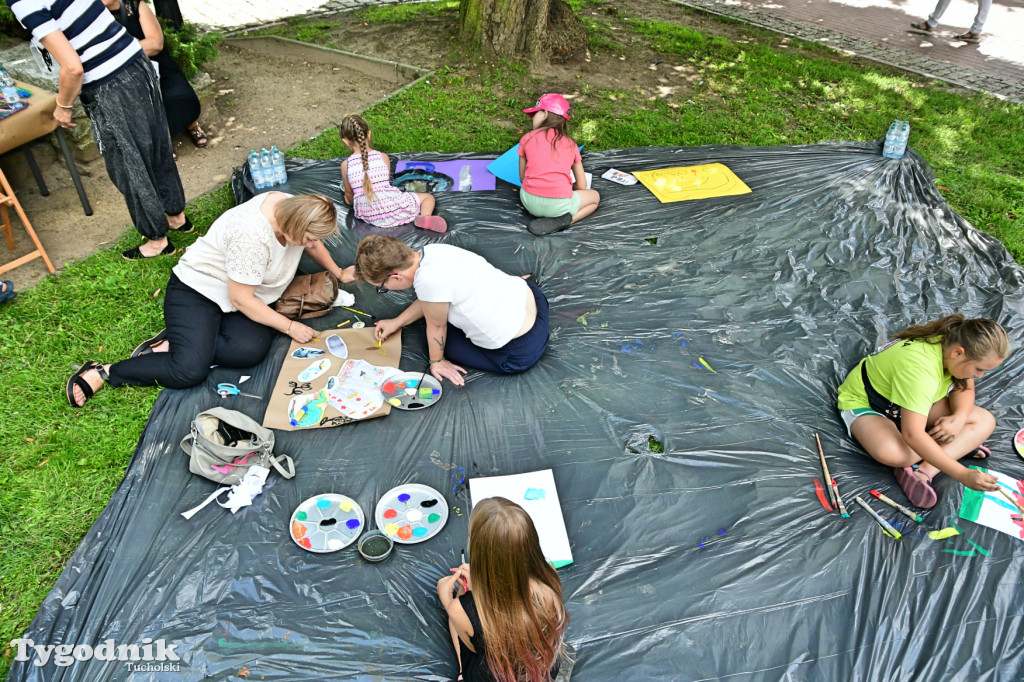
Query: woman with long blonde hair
[{"x": 507, "y": 620}]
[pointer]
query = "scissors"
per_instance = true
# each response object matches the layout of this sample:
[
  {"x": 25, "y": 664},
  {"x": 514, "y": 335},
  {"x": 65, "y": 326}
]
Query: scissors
[{"x": 224, "y": 390}]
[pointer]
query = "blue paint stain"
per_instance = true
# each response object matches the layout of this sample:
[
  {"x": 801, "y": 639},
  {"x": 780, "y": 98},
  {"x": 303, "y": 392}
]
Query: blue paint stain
[
  {"x": 323, "y": 504},
  {"x": 721, "y": 532},
  {"x": 535, "y": 494},
  {"x": 458, "y": 477},
  {"x": 419, "y": 532},
  {"x": 352, "y": 523},
  {"x": 404, "y": 497}
]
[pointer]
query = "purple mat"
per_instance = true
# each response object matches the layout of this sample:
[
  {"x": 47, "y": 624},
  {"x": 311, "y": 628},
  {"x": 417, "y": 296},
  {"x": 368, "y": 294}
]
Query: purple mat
[{"x": 480, "y": 177}]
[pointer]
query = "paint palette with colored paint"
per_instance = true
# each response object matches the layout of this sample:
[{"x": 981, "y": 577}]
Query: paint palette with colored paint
[
  {"x": 1018, "y": 443},
  {"x": 411, "y": 513},
  {"x": 326, "y": 523},
  {"x": 411, "y": 390}
]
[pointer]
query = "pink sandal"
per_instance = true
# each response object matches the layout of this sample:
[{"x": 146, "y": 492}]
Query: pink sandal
[
  {"x": 918, "y": 491},
  {"x": 434, "y": 223}
]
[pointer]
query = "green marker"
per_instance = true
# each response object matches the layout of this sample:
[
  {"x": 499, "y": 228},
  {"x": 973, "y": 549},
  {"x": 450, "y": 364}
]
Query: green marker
[{"x": 889, "y": 530}]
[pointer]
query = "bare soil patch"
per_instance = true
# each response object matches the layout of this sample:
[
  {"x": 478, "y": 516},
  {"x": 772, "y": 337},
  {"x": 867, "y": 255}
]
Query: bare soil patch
[{"x": 258, "y": 100}]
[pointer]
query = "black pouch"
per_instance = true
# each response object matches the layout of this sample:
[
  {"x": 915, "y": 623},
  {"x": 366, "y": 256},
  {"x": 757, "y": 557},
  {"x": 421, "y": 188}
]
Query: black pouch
[{"x": 880, "y": 403}]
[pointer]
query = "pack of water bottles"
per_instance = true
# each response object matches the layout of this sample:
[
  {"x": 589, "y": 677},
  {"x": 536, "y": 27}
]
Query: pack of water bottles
[
  {"x": 896, "y": 140},
  {"x": 267, "y": 168}
]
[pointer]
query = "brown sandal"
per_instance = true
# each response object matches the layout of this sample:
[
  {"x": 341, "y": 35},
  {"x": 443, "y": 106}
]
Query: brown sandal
[
  {"x": 921, "y": 27},
  {"x": 198, "y": 136},
  {"x": 968, "y": 37}
]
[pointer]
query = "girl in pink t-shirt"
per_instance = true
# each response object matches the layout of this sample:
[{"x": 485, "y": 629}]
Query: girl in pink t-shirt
[{"x": 548, "y": 162}]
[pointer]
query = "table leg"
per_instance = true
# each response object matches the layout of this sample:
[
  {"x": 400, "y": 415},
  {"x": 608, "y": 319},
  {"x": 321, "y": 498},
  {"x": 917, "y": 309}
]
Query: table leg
[
  {"x": 73, "y": 170},
  {"x": 34, "y": 167}
]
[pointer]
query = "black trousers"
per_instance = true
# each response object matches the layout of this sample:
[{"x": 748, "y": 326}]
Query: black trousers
[
  {"x": 200, "y": 335},
  {"x": 130, "y": 129}
]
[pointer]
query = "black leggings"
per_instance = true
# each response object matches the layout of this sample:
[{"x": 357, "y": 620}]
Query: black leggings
[{"x": 200, "y": 335}]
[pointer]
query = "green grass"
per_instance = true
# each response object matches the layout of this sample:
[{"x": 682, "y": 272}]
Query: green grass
[
  {"x": 765, "y": 90},
  {"x": 397, "y": 14}
]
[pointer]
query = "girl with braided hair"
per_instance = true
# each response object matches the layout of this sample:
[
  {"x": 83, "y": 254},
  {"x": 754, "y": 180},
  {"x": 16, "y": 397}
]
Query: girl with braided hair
[
  {"x": 366, "y": 176},
  {"x": 911, "y": 404}
]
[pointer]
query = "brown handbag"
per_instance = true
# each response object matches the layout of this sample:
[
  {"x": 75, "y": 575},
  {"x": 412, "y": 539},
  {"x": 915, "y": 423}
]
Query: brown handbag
[{"x": 308, "y": 296}]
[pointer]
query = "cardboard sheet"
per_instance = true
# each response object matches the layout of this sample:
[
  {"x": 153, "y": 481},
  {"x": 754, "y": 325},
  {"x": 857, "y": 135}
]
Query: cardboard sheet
[{"x": 294, "y": 386}]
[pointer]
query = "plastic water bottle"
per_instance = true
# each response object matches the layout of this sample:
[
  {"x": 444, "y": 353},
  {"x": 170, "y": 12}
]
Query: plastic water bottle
[
  {"x": 255, "y": 170},
  {"x": 9, "y": 89},
  {"x": 465, "y": 179},
  {"x": 889, "y": 147},
  {"x": 280, "y": 172},
  {"x": 267, "y": 166},
  {"x": 902, "y": 138}
]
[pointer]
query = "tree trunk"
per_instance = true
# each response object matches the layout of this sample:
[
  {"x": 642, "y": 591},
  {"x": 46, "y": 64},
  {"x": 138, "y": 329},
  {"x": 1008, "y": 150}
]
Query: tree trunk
[
  {"x": 169, "y": 10},
  {"x": 522, "y": 28}
]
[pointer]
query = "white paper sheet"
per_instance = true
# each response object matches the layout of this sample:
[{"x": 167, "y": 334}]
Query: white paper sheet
[{"x": 536, "y": 493}]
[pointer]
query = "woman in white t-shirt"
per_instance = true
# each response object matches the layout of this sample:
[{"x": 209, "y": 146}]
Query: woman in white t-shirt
[
  {"x": 217, "y": 302},
  {"x": 475, "y": 314}
]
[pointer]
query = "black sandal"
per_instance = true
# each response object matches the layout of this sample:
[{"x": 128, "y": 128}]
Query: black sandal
[
  {"x": 921, "y": 27},
  {"x": 198, "y": 136},
  {"x": 186, "y": 226},
  {"x": 135, "y": 253},
  {"x": 149, "y": 344},
  {"x": 77, "y": 379}
]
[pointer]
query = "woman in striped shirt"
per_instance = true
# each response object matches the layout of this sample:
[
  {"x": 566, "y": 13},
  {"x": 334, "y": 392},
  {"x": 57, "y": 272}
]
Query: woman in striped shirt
[{"x": 107, "y": 68}]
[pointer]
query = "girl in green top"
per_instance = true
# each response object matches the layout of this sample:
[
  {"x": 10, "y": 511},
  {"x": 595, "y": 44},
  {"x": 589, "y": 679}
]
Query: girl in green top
[{"x": 898, "y": 404}]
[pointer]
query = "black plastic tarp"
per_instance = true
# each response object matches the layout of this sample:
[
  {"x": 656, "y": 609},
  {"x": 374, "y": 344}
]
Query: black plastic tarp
[{"x": 779, "y": 291}]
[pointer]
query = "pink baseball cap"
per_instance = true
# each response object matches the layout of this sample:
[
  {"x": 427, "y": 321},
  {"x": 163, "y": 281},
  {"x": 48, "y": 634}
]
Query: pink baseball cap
[{"x": 552, "y": 102}]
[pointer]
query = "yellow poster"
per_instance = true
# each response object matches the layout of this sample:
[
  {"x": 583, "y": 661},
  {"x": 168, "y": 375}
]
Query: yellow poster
[{"x": 692, "y": 182}]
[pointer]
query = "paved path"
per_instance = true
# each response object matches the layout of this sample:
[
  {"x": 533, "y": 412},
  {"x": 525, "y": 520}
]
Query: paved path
[
  {"x": 876, "y": 30},
  {"x": 873, "y": 29}
]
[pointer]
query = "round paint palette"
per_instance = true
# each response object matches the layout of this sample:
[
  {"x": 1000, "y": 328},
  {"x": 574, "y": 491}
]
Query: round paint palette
[
  {"x": 411, "y": 513},
  {"x": 411, "y": 390},
  {"x": 327, "y": 523},
  {"x": 1018, "y": 443}
]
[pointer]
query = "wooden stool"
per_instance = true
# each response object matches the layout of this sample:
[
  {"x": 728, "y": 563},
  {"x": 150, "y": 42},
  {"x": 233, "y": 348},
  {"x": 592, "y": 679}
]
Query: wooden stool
[{"x": 7, "y": 198}]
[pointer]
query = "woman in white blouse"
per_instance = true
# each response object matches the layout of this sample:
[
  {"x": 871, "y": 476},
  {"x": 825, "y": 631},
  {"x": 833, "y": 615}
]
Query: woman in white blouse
[{"x": 217, "y": 302}]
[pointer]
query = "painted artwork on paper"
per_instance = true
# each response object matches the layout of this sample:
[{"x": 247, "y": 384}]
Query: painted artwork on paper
[
  {"x": 692, "y": 182},
  {"x": 468, "y": 175},
  {"x": 993, "y": 509},
  {"x": 536, "y": 493}
]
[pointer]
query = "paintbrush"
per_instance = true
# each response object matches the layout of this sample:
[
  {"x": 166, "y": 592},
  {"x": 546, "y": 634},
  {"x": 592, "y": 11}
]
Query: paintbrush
[
  {"x": 886, "y": 527},
  {"x": 839, "y": 501},
  {"x": 897, "y": 506},
  {"x": 1012, "y": 501},
  {"x": 358, "y": 312},
  {"x": 828, "y": 477}
]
